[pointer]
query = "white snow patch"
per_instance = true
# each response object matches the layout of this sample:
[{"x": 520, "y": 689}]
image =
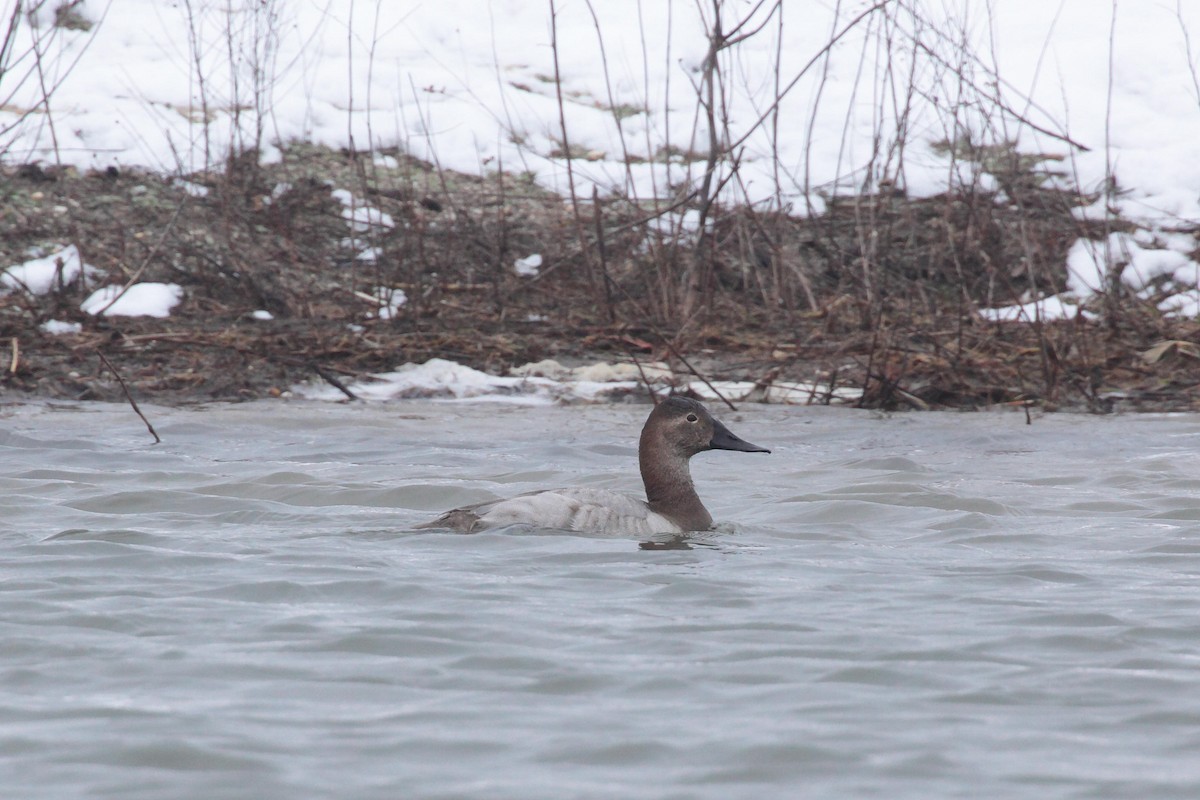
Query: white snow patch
[
  {"x": 1185, "y": 304},
  {"x": 389, "y": 301},
  {"x": 435, "y": 378},
  {"x": 365, "y": 218},
  {"x": 393, "y": 306},
  {"x": 190, "y": 188},
  {"x": 1046, "y": 309},
  {"x": 683, "y": 227},
  {"x": 600, "y": 372},
  {"x": 1148, "y": 262},
  {"x": 141, "y": 300},
  {"x": 1090, "y": 261},
  {"x": 57, "y": 327},
  {"x": 549, "y": 381},
  {"x": 42, "y": 275},
  {"x": 362, "y": 217},
  {"x": 465, "y": 89},
  {"x": 528, "y": 266}
]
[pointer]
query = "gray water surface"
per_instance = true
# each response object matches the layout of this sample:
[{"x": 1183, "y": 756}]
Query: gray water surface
[{"x": 920, "y": 606}]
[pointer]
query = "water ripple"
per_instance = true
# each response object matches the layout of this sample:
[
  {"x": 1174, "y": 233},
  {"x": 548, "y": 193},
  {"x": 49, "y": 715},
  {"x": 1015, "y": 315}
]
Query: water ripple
[{"x": 922, "y": 606}]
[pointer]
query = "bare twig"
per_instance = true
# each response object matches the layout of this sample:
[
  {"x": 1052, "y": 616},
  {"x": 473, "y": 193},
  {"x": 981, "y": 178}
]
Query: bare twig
[
  {"x": 39, "y": 50},
  {"x": 582, "y": 245},
  {"x": 702, "y": 378},
  {"x": 1112, "y": 274},
  {"x": 670, "y": 345},
  {"x": 146, "y": 261},
  {"x": 818, "y": 56},
  {"x": 1187, "y": 49},
  {"x": 645, "y": 380},
  {"x": 334, "y": 382},
  {"x": 602, "y": 251},
  {"x": 612, "y": 101},
  {"x": 196, "y": 48},
  {"x": 566, "y": 143},
  {"x": 129, "y": 396}
]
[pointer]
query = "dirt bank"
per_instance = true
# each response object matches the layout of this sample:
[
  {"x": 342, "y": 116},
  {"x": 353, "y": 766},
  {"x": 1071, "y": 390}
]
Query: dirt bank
[{"x": 879, "y": 293}]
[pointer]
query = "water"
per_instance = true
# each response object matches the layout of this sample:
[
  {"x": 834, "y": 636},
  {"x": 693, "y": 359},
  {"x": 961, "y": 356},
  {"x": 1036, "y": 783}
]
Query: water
[{"x": 932, "y": 605}]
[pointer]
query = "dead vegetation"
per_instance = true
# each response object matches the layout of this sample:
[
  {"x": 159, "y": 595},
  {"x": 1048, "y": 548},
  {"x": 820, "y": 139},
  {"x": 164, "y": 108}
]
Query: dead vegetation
[
  {"x": 331, "y": 264},
  {"x": 880, "y": 292}
]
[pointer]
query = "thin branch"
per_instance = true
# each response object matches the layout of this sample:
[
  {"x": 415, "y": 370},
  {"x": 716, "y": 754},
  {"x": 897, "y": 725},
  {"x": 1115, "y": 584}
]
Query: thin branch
[
  {"x": 612, "y": 101},
  {"x": 854, "y": 23},
  {"x": 602, "y": 251},
  {"x": 566, "y": 144},
  {"x": 146, "y": 261},
  {"x": 129, "y": 397},
  {"x": 1187, "y": 49},
  {"x": 334, "y": 382},
  {"x": 645, "y": 380}
]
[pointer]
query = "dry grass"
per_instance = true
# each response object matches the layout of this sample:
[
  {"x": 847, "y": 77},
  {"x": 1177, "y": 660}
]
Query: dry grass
[
  {"x": 783, "y": 299},
  {"x": 878, "y": 291}
]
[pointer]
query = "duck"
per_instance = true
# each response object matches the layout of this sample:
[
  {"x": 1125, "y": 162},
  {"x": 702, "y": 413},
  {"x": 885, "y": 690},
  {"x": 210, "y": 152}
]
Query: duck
[{"x": 677, "y": 429}]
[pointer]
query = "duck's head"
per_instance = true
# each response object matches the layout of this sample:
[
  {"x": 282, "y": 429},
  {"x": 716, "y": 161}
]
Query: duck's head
[{"x": 685, "y": 428}]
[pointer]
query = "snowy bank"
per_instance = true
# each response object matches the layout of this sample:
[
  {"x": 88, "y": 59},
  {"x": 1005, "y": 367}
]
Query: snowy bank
[
  {"x": 612, "y": 91},
  {"x": 547, "y": 382},
  {"x": 471, "y": 85}
]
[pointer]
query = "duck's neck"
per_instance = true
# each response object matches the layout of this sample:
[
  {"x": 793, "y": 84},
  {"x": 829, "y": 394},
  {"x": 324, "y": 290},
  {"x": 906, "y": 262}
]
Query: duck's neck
[{"x": 669, "y": 488}]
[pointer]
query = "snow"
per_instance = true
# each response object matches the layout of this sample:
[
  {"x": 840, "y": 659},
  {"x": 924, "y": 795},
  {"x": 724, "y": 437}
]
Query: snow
[
  {"x": 390, "y": 301},
  {"x": 1138, "y": 267},
  {"x": 438, "y": 378},
  {"x": 546, "y": 382},
  {"x": 469, "y": 84},
  {"x": 1185, "y": 304},
  {"x": 1108, "y": 93},
  {"x": 1041, "y": 310},
  {"x": 190, "y": 187},
  {"x": 56, "y": 327},
  {"x": 139, "y": 300},
  {"x": 528, "y": 266},
  {"x": 361, "y": 217},
  {"x": 42, "y": 275}
]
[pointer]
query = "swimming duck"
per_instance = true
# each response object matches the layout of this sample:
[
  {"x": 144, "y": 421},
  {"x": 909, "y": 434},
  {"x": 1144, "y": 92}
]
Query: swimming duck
[{"x": 676, "y": 430}]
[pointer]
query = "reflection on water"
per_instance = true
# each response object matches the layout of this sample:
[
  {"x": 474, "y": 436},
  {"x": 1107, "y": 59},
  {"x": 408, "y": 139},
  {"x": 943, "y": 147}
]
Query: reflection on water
[
  {"x": 937, "y": 605},
  {"x": 686, "y": 541}
]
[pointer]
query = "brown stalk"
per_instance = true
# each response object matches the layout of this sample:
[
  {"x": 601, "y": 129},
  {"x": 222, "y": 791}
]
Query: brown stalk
[
  {"x": 129, "y": 396},
  {"x": 602, "y": 251},
  {"x": 566, "y": 145}
]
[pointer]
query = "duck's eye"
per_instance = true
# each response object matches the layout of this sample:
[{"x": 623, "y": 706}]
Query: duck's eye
[{"x": 692, "y": 418}]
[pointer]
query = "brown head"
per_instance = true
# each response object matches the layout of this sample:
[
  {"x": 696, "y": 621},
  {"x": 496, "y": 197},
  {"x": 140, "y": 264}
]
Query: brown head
[{"x": 677, "y": 429}]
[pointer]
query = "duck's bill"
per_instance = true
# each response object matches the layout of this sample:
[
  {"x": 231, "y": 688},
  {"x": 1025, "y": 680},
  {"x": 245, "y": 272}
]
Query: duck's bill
[{"x": 724, "y": 439}]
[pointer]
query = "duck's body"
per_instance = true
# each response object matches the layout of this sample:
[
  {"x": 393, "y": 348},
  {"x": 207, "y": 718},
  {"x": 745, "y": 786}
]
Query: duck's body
[
  {"x": 676, "y": 430},
  {"x": 575, "y": 509}
]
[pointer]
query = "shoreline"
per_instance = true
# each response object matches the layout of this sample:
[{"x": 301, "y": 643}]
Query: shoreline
[{"x": 286, "y": 275}]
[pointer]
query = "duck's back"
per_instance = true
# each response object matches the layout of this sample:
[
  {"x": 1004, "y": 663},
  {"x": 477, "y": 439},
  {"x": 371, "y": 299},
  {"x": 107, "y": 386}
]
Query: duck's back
[{"x": 575, "y": 509}]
